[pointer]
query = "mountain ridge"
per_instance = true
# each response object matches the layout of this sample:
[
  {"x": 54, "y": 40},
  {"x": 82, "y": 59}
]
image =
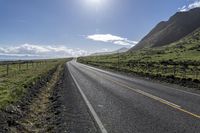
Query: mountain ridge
[
  {"x": 178, "y": 26},
  {"x": 121, "y": 50}
]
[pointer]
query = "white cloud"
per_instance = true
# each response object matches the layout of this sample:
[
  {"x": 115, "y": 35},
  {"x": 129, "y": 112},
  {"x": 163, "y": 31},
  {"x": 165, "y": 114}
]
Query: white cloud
[
  {"x": 104, "y": 37},
  {"x": 121, "y": 43},
  {"x": 183, "y": 9},
  {"x": 39, "y": 51},
  {"x": 195, "y": 4},
  {"x": 112, "y": 39}
]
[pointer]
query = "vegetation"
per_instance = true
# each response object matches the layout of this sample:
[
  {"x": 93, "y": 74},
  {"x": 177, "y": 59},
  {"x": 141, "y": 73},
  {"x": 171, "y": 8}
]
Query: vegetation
[
  {"x": 40, "y": 108},
  {"x": 180, "y": 60},
  {"x": 14, "y": 84}
]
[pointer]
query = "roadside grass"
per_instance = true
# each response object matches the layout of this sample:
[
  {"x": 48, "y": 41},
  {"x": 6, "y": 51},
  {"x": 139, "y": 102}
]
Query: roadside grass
[
  {"x": 37, "y": 118},
  {"x": 153, "y": 64},
  {"x": 14, "y": 85}
]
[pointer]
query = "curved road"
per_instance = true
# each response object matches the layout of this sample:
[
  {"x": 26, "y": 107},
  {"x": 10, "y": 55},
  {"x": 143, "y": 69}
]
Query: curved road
[{"x": 122, "y": 104}]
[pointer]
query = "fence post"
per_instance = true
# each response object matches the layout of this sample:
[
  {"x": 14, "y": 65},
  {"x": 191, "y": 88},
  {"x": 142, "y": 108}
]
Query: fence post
[
  {"x": 7, "y": 69},
  {"x": 138, "y": 66},
  {"x": 148, "y": 68},
  {"x": 36, "y": 65},
  {"x": 196, "y": 72},
  {"x": 164, "y": 69},
  {"x": 118, "y": 60},
  {"x": 157, "y": 69},
  {"x": 174, "y": 70},
  {"x": 184, "y": 71},
  {"x": 27, "y": 65},
  {"x": 19, "y": 66}
]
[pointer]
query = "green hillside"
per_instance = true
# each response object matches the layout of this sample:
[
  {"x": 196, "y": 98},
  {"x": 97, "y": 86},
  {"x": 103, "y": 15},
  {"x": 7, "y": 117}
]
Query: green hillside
[
  {"x": 187, "y": 49},
  {"x": 178, "y": 60}
]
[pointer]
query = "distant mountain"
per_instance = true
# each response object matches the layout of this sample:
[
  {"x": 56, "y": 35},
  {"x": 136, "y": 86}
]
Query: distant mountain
[
  {"x": 178, "y": 26},
  {"x": 121, "y": 50},
  {"x": 17, "y": 57}
]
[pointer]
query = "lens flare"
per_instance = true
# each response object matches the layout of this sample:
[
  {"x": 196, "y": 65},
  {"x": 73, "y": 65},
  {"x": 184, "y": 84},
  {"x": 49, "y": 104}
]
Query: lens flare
[{"x": 95, "y": 3}]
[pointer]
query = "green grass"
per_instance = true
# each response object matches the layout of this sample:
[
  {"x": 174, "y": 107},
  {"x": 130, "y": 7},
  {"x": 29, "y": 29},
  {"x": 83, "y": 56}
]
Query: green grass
[
  {"x": 14, "y": 85},
  {"x": 184, "y": 53}
]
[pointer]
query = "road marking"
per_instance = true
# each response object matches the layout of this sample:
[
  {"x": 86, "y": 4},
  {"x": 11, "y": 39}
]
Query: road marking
[
  {"x": 94, "y": 114},
  {"x": 175, "y": 106},
  {"x": 156, "y": 98},
  {"x": 122, "y": 76}
]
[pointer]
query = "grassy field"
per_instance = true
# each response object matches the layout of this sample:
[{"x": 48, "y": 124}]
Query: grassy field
[
  {"x": 180, "y": 60},
  {"x": 14, "y": 85}
]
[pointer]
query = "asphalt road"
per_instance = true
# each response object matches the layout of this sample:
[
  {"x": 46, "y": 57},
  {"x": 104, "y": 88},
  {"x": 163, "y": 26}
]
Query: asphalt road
[{"x": 123, "y": 104}]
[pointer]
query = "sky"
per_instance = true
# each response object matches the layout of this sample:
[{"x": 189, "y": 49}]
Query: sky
[{"x": 64, "y": 28}]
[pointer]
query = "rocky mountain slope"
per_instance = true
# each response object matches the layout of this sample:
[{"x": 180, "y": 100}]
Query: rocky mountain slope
[{"x": 178, "y": 26}]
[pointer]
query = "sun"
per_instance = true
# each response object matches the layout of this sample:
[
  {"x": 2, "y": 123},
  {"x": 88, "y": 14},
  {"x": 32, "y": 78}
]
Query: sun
[
  {"x": 95, "y": 3},
  {"x": 97, "y": 6}
]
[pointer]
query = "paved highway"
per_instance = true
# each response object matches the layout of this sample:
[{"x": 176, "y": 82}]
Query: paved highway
[{"x": 123, "y": 104}]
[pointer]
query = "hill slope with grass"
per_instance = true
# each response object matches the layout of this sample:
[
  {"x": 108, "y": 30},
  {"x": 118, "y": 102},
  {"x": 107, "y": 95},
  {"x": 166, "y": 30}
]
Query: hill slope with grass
[
  {"x": 178, "y": 62},
  {"x": 186, "y": 49}
]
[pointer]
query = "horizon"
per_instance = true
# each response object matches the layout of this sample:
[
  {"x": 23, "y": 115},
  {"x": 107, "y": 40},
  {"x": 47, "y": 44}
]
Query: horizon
[{"x": 72, "y": 28}]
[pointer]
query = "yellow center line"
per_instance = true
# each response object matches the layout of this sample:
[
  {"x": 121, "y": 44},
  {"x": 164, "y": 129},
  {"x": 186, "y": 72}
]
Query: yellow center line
[{"x": 175, "y": 106}]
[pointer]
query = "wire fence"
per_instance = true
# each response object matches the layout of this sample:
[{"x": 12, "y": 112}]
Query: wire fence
[
  {"x": 186, "y": 70},
  {"x": 12, "y": 67}
]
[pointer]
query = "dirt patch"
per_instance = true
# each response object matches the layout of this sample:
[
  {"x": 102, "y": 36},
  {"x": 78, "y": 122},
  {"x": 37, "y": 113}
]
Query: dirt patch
[
  {"x": 54, "y": 106},
  {"x": 32, "y": 112},
  {"x": 36, "y": 119}
]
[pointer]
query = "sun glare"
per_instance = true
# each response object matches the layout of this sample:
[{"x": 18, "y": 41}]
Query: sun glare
[{"x": 95, "y": 3}]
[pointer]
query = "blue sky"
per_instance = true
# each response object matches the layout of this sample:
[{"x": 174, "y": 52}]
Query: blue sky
[{"x": 78, "y": 27}]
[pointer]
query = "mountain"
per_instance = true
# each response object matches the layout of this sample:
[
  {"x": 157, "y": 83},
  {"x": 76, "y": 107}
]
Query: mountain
[
  {"x": 189, "y": 44},
  {"x": 178, "y": 26},
  {"x": 121, "y": 50},
  {"x": 12, "y": 57}
]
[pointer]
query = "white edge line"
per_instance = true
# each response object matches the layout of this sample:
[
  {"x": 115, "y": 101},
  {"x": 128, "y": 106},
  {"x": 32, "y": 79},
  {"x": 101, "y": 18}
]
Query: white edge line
[
  {"x": 94, "y": 114},
  {"x": 145, "y": 93},
  {"x": 107, "y": 72}
]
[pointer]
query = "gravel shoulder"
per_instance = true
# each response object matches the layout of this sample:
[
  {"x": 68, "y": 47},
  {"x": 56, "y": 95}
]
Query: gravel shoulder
[
  {"x": 52, "y": 105},
  {"x": 73, "y": 114}
]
